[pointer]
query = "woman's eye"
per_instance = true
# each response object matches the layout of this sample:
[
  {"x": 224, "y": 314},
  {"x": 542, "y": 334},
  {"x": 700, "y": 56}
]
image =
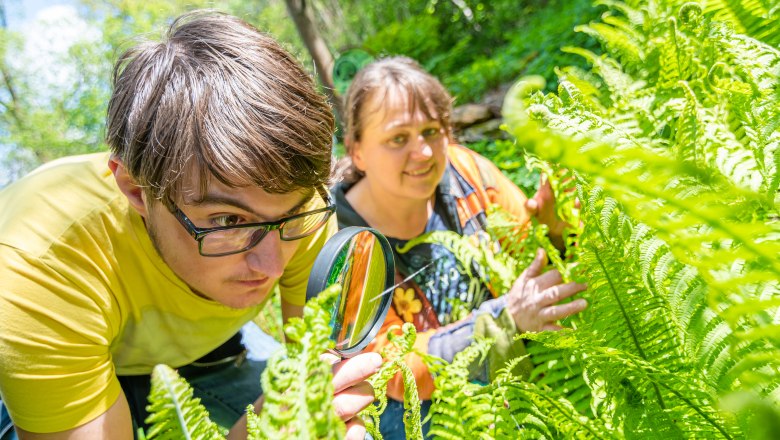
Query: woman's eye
[
  {"x": 226, "y": 220},
  {"x": 399, "y": 140},
  {"x": 431, "y": 132}
]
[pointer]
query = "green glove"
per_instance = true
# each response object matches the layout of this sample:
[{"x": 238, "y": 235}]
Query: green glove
[{"x": 503, "y": 331}]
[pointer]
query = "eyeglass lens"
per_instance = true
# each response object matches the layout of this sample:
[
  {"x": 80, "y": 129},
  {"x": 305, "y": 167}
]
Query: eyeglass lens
[{"x": 238, "y": 239}]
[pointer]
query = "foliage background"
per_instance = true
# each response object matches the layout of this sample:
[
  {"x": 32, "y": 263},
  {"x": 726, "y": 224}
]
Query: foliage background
[
  {"x": 669, "y": 124},
  {"x": 473, "y": 46}
]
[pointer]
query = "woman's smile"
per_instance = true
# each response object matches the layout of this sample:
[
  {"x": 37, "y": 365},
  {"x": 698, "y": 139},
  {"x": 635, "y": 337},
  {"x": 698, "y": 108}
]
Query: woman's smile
[{"x": 420, "y": 172}]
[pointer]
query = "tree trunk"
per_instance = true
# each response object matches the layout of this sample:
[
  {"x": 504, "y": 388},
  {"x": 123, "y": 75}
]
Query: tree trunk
[{"x": 303, "y": 16}]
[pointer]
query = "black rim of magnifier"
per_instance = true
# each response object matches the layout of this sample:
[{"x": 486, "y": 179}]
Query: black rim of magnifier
[{"x": 323, "y": 264}]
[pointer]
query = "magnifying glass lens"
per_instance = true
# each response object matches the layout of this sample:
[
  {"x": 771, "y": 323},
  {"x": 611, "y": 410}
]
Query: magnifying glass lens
[{"x": 361, "y": 261}]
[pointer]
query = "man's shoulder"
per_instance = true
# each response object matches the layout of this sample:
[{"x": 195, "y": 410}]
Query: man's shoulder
[{"x": 41, "y": 207}]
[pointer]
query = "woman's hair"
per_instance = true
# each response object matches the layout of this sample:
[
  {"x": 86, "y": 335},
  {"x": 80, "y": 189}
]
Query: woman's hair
[
  {"x": 219, "y": 99},
  {"x": 379, "y": 83}
]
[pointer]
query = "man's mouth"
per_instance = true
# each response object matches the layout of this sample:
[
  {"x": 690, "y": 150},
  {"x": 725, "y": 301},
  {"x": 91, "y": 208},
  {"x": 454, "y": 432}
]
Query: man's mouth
[{"x": 253, "y": 283}]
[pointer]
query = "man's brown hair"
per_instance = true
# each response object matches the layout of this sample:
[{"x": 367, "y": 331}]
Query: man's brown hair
[{"x": 218, "y": 98}]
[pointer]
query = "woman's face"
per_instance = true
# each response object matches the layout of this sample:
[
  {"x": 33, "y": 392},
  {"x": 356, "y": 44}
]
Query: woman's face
[{"x": 402, "y": 154}]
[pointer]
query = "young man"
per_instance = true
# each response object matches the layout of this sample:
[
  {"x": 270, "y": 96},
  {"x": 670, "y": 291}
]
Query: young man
[{"x": 159, "y": 252}]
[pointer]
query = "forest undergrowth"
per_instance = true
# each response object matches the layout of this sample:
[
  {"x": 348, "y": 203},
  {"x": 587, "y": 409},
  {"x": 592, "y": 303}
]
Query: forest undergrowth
[{"x": 670, "y": 144}]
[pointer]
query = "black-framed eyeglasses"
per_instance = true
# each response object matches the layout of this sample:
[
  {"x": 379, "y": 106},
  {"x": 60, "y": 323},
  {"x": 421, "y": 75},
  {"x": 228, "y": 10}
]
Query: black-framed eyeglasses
[{"x": 227, "y": 240}]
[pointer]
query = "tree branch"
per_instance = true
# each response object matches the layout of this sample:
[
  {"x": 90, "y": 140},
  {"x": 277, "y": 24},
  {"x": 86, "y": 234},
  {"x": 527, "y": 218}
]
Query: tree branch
[
  {"x": 7, "y": 78},
  {"x": 302, "y": 15}
]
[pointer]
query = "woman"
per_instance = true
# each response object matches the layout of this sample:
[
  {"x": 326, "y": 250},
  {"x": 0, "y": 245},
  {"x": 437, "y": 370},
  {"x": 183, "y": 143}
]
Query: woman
[{"x": 404, "y": 178}]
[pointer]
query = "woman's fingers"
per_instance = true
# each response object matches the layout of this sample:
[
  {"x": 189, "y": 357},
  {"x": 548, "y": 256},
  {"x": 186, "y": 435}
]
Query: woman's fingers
[
  {"x": 561, "y": 311},
  {"x": 355, "y": 429},
  {"x": 533, "y": 270},
  {"x": 352, "y": 400},
  {"x": 556, "y": 293},
  {"x": 355, "y": 370},
  {"x": 548, "y": 279}
]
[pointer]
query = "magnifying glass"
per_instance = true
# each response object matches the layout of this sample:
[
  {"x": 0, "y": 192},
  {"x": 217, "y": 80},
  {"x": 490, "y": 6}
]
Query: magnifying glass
[{"x": 361, "y": 261}]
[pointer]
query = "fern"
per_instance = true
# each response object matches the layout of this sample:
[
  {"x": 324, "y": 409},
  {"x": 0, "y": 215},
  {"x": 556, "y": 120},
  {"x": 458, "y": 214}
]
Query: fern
[
  {"x": 454, "y": 393},
  {"x": 689, "y": 408},
  {"x": 553, "y": 411},
  {"x": 671, "y": 144},
  {"x": 394, "y": 354},
  {"x": 676, "y": 164},
  {"x": 751, "y": 17},
  {"x": 506, "y": 408},
  {"x": 497, "y": 269},
  {"x": 174, "y": 413},
  {"x": 297, "y": 384}
]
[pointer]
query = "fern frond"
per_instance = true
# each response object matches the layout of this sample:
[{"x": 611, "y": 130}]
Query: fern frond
[
  {"x": 454, "y": 393},
  {"x": 174, "y": 413},
  {"x": 562, "y": 372},
  {"x": 749, "y": 17},
  {"x": 553, "y": 411},
  {"x": 499, "y": 270},
  {"x": 297, "y": 384},
  {"x": 632, "y": 185},
  {"x": 674, "y": 59},
  {"x": 689, "y": 401},
  {"x": 620, "y": 84},
  {"x": 623, "y": 43},
  {"x": 394, "y": 354},
  {"x": 636, "y": 16},
  {"x": 586, "y": 86}
]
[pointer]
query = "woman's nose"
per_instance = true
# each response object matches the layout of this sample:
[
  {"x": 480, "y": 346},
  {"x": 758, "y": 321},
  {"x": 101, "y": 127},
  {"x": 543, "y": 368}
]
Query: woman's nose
[{"x": 422, "y": 150}]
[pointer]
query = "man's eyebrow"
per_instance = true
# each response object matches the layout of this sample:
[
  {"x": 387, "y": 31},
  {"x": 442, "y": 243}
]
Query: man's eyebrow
[
  {"x": 307, "y": 195},
  {"x": 216, "y": 199}
]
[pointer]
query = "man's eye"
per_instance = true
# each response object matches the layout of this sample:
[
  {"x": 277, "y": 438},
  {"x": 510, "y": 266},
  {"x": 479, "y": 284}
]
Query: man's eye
[{"x": 226, "y": 220}]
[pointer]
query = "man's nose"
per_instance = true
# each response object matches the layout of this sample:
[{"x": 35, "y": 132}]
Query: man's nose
[{"x": 267, "y": 257}]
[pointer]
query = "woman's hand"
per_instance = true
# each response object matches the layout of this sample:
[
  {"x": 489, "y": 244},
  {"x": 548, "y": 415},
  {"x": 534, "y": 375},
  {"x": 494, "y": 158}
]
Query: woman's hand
[
  {"x": 352, "y": 392},
  {"x": 533, "y": 299},
  {"x": 542, "y": 207}
]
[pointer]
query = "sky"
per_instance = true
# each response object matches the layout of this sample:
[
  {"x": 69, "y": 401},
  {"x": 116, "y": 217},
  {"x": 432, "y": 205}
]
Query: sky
[
  {"x": 49, "y": 28},
  {"x": 21, "y": 12}
]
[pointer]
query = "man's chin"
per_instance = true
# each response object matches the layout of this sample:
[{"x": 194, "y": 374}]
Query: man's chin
[{"x": 244, "y": 300}]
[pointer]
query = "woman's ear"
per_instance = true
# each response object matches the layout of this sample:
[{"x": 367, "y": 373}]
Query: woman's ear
[
  {"x": 356, "y": 154},
  {"x": 134, "y": 193}
]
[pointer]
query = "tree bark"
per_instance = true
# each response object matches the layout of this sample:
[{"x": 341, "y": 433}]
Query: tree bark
[
  {"x": 303, "y": 16},
  {"x": 7, "y": 79}
]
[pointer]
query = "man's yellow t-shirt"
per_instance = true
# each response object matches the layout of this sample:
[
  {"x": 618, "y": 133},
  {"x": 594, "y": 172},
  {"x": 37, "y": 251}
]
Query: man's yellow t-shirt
[{"x": 84, "y": 296}]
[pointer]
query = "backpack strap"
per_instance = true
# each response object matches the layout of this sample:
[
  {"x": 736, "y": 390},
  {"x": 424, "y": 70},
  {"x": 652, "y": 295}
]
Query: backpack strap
[{"x": 471, "y": 184}]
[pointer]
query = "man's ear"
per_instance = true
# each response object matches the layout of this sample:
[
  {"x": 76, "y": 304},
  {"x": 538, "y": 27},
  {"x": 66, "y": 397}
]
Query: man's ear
[{"x": 134, "y": 193}]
